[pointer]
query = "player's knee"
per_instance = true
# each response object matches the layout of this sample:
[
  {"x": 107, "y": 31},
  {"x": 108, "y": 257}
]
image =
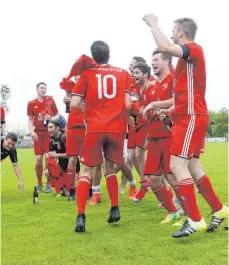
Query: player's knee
[
  {"x": 155, "y": 182},
  {"x": 39, "y": 160},
  {"x": 176, "y": 168}
]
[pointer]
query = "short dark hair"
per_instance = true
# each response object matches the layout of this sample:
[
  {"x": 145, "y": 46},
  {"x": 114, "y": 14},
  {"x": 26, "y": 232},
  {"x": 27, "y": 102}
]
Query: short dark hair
[
  {"x": 100, "y": 51},
  {"x": 55, "y": 122},
  {"x": 12, "y": 136},
  {"x": 164, "y": 56},
  {"x": 188, "y": 26},
  {"x": 41, "y": 83},
  {"x": 139, "y": 59},
  {"x": 144, "y": 68}
]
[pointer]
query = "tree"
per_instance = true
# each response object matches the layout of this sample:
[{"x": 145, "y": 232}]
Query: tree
[
  {"x": 220, "y": 128},
  {"x": 5, "y": 95}
]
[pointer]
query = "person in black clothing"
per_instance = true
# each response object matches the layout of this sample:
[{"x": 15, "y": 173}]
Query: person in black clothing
[
  {"x": 57, "y": 149},
  {"x": 8, "y": 149}
]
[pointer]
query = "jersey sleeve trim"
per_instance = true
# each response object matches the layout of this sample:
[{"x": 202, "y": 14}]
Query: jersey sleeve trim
[{"x": 186, "y": 51}]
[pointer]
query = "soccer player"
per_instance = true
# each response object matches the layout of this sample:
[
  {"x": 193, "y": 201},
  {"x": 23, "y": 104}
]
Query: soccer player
[
  {"x": 106, "y": 92},
  {"x": 190, "y": 122},
  {"x": 160, "y": 137},
  {"x": 8, "y": 149},
  {"x": 40, "y": 111},
  {"x": 137, "y": 139},
  {"x": 3, "y": 120},
  {"x": 75, "y": 138},
  {"x": 57, "y": 149}
]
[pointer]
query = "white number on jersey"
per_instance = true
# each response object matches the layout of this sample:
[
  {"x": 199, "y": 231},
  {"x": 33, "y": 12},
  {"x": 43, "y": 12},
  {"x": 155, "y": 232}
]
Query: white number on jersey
[{"x": 102, "y": 86}]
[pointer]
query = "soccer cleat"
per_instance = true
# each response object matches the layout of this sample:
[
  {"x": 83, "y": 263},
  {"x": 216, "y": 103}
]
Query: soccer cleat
[
  {"x": 48, "y": 188},
  {"x": 80, "y": 223},
  {"x": 190, "y": 227},
  {"x": 114, "y": 215},
  {"x": 170, "y": 217},
  {"x": 132, "y": 192},
  {"x": 39, "y": 187},
  {"x": 90, "y": 193},
  {"x": 121, "y": 191},
  {"x": 96, "y": 198},
  {"x": 218, "y": 218},
  {"x": 71, "y": 196}
]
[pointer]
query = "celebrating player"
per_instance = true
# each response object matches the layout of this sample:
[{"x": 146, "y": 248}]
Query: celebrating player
[
  {"x": 190, "y": 122},
  {"x": 8, "y": 149},
  {"x": 40, "y": 111},
  {"x": 106, "y": 92}
]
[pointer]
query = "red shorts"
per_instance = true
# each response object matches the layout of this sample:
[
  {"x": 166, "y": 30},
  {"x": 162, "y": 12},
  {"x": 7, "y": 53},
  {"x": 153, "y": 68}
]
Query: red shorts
[
  {"x": 188, "y": 133},
  {"x": 158, "y": 156},
  {"x": 138, "y": 137},
  {"x": 110, "y": 143},
  {"x": 41, "y": 146},
  {"x": 199, "y": 148},
  {"x": 74, "y": 141}
]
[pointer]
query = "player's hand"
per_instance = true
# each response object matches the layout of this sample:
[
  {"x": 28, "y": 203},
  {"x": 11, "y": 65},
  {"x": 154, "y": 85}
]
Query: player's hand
[
  {"x": 150, "y": 19},
  {"x": 47, "y": 173},
  {"x": 66, "y": 99},
  {"x": 53, "y": 154},
  {"x": 147, "y": 111},
  {"x": 141, "y": 111},
  {"x": 20, "y": 185},
  {"x": 48, "y": 117},
  {"x": 2, "y": 130},
  {"x": 34, "y": 136}
]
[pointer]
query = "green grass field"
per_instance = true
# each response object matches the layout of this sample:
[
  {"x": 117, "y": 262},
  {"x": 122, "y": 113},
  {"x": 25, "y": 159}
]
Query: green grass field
[{"x": 44, "y": 233}]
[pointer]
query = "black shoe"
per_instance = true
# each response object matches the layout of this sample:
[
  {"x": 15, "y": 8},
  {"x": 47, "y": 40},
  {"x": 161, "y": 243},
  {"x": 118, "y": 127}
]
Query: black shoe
[
  {"x": 186, "y": 230},
  {"x": 215, "y": 223},
  {"x": 71, "y": 196},
  {"x": 90, "y": 193},
  {"x": 114, "y": 215},
  {"x": 80, "y": 223}
]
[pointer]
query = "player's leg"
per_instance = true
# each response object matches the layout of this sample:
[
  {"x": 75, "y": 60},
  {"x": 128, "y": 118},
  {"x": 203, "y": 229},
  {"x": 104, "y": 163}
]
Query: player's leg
[
  {"x": 91, "y": 156},
  {"x": 71, "y": 177},
  {"x": 46, "y": 141},
  {"x": 38, "y": 150},
  {"x": 203, "y": 183},
  {"x": 96, "y": 179},
  {"x": 187, "y": 130}
]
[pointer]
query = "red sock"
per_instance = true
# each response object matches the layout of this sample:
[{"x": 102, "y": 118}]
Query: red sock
[
  {"x": 82, "y": 194},
  {"x": 164, "y": 197},
  {"x": 112, "y": 187},
  {"x": 206, "y": 190},
  {"x": 70, "y": 181},
  {"x": 187, "y": 196},
  {"x": 176, "y": 190},
  {"x": 170, "y": 191},
  {"x": 39, "y": 171}
]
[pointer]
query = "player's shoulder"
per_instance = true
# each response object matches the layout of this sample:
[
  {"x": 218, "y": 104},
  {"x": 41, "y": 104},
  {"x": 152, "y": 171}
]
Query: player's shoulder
[
  {"x": 63, "y": 137},
  {"x": 48, "y": 98},
  {"x": 194, "y": 45},
  {"x": 32, "y": 102}
]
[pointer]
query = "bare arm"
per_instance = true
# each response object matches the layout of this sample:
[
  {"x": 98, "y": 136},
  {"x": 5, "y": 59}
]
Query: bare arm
[
  {"x": 17, "y": 171},
  {"x": 160, "y": 38},
  {"x": 77, "y": 102},
  {"x": 57, "y": 155},
  {"x": 30, "y": 123}
]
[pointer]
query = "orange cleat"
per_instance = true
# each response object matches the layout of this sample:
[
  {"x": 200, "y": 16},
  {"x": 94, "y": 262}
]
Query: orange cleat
[
  {"x": 95, "y": 199},
  {"x": 132, "y": 192}
]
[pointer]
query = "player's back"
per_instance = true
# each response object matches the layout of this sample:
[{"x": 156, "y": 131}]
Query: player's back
[{"x": 105, "y": 99}]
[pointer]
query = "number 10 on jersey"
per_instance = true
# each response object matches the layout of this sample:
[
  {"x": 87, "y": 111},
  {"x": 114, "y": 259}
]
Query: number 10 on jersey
[{"x": 102, "y": 86}]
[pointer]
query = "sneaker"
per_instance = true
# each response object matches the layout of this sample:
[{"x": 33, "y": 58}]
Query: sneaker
[
  {"x": 80, "y": 223},
  {"x": 190, "y": 227},
  {"x": 114, "y": 215},
  {"x": 170, "y": 217},
  {"x": 132, "y": 192},
  {"x": 39, "y": 187},
  {"x": 141, "y": 194},
  {"x": 121, "y": 191},
  {"x": 96, "y": 198},
  {"x": 48, "y": 188},
  {"x": 71, "y": 196},
  {"x": 218, "y": 218}
]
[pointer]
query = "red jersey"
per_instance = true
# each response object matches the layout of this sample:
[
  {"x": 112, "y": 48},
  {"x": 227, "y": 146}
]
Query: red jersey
[
  {"x": 190, "y": 83},
  {"x": 104, "y": 90},
  {"x": 38, "y": 110},
  {"x": 2, "y": 115},
  {"x": 75, "y": 118},
  {"x": 160, "y": 91}
]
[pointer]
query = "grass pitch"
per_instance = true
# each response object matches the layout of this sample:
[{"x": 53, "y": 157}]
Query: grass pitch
[{"x": 44, "y": 234}]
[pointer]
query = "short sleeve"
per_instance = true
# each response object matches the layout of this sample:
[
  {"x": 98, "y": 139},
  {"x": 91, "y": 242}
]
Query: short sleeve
[
  {"x": 54, "y": 108},
  {"x": 195, "y": 51},
  {"x": 80, "y": 87},
  {"x": 13, "y": 155},
  {"x": 128, "y": 85},
  {"x": 30, "y": 110}
]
